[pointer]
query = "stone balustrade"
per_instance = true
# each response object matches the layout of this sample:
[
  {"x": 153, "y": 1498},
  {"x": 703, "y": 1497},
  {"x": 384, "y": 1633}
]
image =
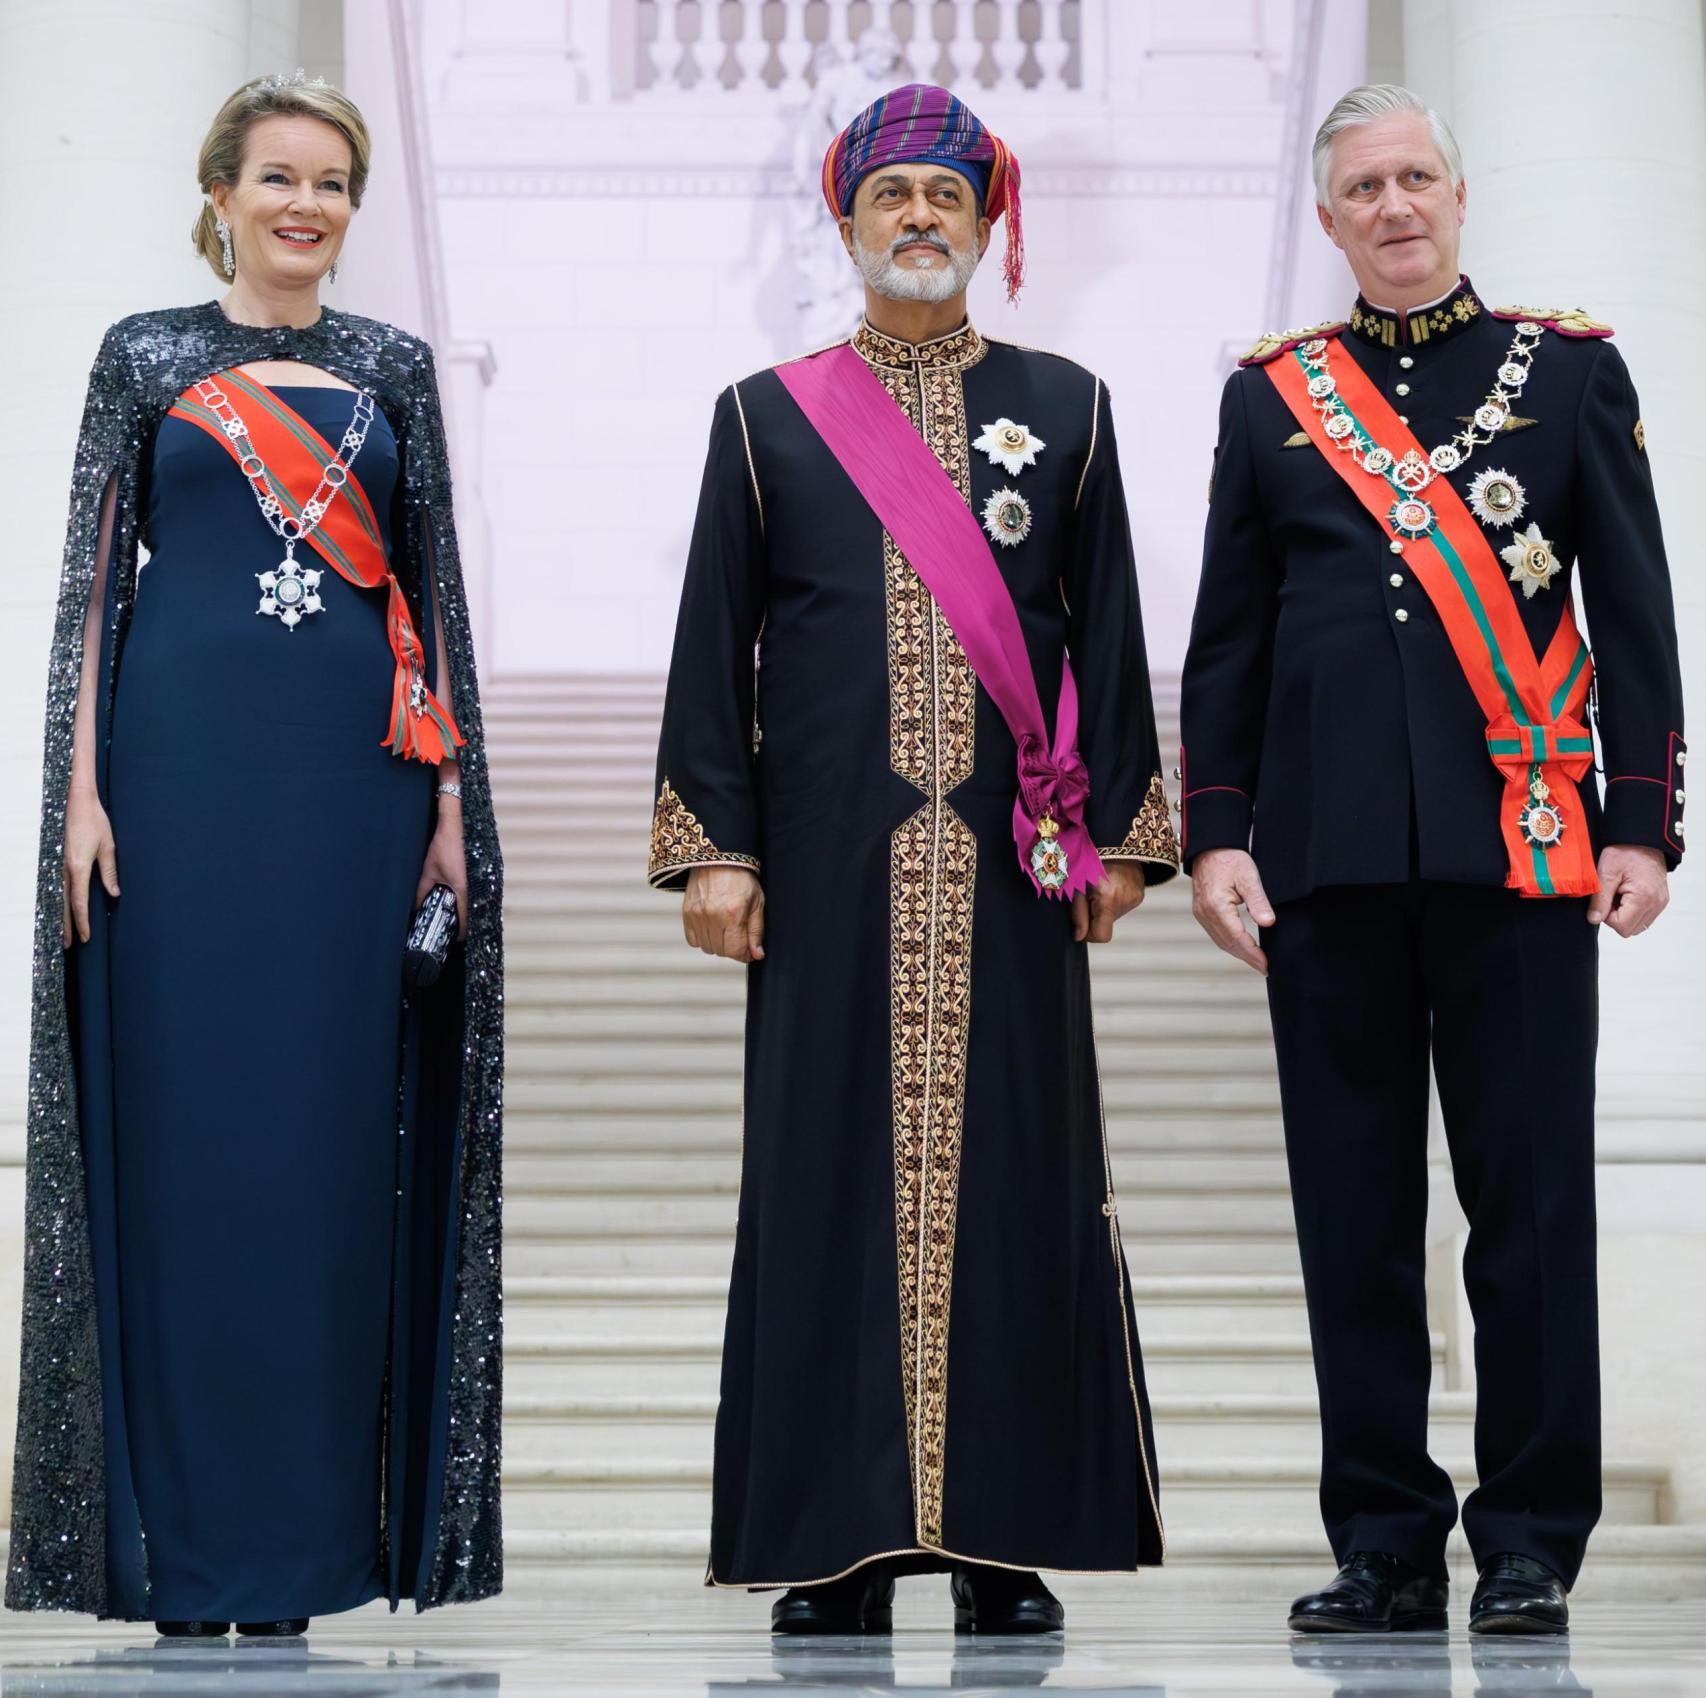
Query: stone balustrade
[{"x": 710, "y": 48}]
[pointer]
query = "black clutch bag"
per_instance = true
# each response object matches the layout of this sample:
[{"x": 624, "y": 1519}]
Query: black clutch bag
[{"x": 430, "y": 938}]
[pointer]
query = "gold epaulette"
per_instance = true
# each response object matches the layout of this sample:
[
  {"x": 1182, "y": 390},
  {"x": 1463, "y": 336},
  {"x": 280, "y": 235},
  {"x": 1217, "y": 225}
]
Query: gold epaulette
[
  {"x": 1275, "y": 342},
  {"x": 1567, "y": 321}
]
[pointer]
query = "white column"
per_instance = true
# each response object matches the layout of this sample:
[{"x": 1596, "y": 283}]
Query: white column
[
  {"x": 1593, "y": 194},
  {"x": 395, "y": 270},
  {"x": 1309, "y": 280},
  {"x": 81, "y": 110},
  {"x": 1587, "y": 187}
]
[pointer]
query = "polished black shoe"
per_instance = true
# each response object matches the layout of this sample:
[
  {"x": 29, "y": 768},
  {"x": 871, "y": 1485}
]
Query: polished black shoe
[
  {"x": 290, "y": 1627},
  {"x": 1516, "y": 1594},
  {"x": 192, "y": 1629},
  {"x": 860, "y": 1602},
  {"x": 1373, "y": 1593},
  {"x": 1003, "y": 1600}
]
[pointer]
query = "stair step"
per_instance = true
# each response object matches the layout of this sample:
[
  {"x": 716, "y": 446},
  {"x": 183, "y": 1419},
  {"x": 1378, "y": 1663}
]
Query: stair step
[
  {"x": 648, "y": 1491},
  {"x": 1137, "y": 1093},
  {"x": 636, "y": 1307},
  {"x": 647, "y": 1253},
  {"x": 548, "y": 1362},
  {"x": 1639, "y": 1563},
  {"x": 660, "y": 1029},
  {"x": 1188, "y": 1428}
]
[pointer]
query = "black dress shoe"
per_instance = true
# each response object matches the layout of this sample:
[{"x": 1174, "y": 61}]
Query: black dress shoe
[
  {"x": 1373, "y": 1593},
  {"x": 1003, "y": 1600},
  {"x": 1516, "y": 1594},
  {"x": 192, "y": 1629},
  {"x": 860, "y": 1602},
  {"x": 290, "y": 1627}
]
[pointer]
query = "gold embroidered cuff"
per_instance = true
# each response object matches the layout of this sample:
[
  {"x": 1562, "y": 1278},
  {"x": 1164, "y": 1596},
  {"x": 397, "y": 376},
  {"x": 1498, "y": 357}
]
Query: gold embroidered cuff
[
  {"x": 680, "y": 843},
  {"x": 1151, "y": 837}
]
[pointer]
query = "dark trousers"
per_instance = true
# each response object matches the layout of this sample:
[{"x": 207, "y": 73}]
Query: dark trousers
[{"x": 1364, "y": 982}]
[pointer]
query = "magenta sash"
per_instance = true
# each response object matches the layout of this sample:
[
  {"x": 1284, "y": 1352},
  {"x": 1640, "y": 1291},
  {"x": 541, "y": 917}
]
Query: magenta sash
[{"x": 921, "y": 507}]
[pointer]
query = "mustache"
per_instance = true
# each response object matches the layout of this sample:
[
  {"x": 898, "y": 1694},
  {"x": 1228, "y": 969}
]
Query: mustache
[{"x": 924, "y": 238}]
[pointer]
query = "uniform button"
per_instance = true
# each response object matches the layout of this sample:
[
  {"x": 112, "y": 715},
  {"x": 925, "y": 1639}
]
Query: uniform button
[
  {"x": 1405, "y": 361},
  {"x": 1177, "y": 773},
  {"x": 1396, "y": 546},
  {"x": 1403, "y": 389},
  {"x": 1396, "y": 580},
  {"x": 1682, "y": 757},
  {"x": 1680, "y": 798},
  {"x": 1403, "y": 418},
  {"x": 1402, "y": 616},
  {"x": 1677, "y": 828}
]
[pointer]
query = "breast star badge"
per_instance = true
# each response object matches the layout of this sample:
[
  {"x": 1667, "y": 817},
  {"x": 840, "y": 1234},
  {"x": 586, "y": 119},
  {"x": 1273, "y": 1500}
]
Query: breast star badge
[
  {"x": 1007, "y": 518},
  {"x": 1532, "y": 562},
  {"x": 1010, "y": 446},
  {"x": 1496, "y": 498}
]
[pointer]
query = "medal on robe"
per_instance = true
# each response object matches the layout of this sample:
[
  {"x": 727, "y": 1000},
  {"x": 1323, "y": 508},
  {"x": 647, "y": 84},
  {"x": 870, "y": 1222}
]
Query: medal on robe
[
  {"x": 1048, "y": 859},
  {"x": 1532, "y": 562},
  {"x": 289, "y": 593},
  {"x": 1010, "y": 446},
  {"x": 1007, "y": 518}
]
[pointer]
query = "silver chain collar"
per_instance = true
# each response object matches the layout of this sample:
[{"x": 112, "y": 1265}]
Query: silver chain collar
[
  {"x": 289, "y": 591},
  {"x": 1411, "y": 474}
]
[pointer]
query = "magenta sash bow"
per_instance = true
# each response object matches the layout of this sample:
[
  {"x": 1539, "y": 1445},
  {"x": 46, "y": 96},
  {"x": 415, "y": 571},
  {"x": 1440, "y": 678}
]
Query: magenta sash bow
[{"x": 921, "y": 507}]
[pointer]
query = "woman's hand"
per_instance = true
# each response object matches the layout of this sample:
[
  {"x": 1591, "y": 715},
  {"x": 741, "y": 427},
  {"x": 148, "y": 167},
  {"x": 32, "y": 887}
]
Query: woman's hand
[
  {"x": 88, "y": 844},
  {"x": 445, "y": 862}
]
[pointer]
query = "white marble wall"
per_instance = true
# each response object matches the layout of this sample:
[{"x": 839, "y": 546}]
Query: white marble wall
[
  {"x": 1587, "y": 187},
  {"x": 627, "y": 254}
]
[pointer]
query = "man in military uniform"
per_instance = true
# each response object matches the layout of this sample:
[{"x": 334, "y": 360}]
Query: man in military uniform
[{"x": 1385, "y": 679}]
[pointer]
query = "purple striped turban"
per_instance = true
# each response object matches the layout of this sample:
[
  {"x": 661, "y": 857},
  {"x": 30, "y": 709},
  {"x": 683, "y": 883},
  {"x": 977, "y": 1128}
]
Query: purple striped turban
[{"x": 922, "y": 124}]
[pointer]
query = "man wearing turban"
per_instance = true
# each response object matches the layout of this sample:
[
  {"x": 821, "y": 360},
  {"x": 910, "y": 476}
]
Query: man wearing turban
[{"x": 937, "y": 784}]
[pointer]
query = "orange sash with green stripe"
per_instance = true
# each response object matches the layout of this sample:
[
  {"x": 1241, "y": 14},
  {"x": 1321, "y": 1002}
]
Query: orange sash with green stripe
[
  {"x": 1536, "y": 735},
  {"x": 293, "y": 456}
]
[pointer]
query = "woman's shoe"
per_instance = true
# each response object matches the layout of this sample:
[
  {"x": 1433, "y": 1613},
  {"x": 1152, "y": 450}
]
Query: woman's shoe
[{"x": 291, "y": 1628}]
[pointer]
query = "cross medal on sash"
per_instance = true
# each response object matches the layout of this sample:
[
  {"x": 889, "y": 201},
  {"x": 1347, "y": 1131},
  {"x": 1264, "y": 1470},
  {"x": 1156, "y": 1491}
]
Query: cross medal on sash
[{"x": 1536, "y": 736}]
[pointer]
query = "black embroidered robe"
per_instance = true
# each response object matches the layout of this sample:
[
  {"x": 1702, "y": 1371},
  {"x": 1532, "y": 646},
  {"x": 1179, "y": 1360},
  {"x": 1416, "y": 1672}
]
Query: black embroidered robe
[{"x": 930, "y": 1348}]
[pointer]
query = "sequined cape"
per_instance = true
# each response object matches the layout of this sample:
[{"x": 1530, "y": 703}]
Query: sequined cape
[{"x": 58, "y": 1538}]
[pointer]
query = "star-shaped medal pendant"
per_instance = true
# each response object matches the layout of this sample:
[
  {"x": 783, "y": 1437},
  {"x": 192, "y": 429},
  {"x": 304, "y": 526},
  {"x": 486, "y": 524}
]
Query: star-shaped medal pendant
[
  {"x": 1496, "y": 498},
  {"x": 1010, "y": 445},
  {"x": 1532, "y": 562},
  {"x": 1007, "y": 518},
  {"x": 289, "y": 593}
]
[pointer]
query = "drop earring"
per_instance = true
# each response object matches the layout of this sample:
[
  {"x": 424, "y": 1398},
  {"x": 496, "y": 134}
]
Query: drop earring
[
  {"x": 223, "y": 231},
  {"x": 332, "y": 272}
]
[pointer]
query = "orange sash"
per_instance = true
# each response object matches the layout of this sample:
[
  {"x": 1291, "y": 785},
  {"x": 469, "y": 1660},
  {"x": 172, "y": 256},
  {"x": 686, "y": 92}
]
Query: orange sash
[
  {"x": 293, "y": 455},
  {"x": 1535, "y": 731}
]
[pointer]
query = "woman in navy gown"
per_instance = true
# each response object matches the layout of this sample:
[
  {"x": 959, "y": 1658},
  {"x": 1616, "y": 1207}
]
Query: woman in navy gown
[{"x": 271, "y": 1308}]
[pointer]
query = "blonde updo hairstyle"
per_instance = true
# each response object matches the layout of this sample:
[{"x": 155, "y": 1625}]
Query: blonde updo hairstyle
[{"x": 221, "y": 158}]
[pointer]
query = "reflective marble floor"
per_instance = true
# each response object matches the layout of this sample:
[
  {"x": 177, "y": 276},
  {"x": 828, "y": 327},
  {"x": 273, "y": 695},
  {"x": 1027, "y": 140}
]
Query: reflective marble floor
[{"x": 687, "y": 1643}]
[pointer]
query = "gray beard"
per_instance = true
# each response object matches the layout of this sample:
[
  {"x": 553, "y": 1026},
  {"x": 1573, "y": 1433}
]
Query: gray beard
[{"x": 897, "y": 282}]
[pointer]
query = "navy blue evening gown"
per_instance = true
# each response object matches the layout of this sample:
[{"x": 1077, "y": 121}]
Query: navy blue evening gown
[{"x": 269, "y": 846}]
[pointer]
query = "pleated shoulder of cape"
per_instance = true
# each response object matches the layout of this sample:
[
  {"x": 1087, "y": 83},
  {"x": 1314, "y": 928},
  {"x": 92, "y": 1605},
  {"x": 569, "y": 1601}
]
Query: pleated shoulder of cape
[{"x": 57, "y": 1557}]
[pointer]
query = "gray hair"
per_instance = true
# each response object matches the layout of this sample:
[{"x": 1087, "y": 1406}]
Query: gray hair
[{"x": 1365, "y": 105}]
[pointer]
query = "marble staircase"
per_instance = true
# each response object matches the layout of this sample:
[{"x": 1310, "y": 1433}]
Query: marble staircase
[{"x": 621, "y": 1181}]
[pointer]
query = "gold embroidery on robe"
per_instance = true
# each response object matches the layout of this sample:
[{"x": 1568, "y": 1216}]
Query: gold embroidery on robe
[
  {"x": 1151, "y": 837},
  {"x": 679, "y": 841},
  {"x": 932, "y": 876}
]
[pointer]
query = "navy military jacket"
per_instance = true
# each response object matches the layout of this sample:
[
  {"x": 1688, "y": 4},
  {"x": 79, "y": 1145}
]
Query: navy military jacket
[{"x": 1322, "y": 702}]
